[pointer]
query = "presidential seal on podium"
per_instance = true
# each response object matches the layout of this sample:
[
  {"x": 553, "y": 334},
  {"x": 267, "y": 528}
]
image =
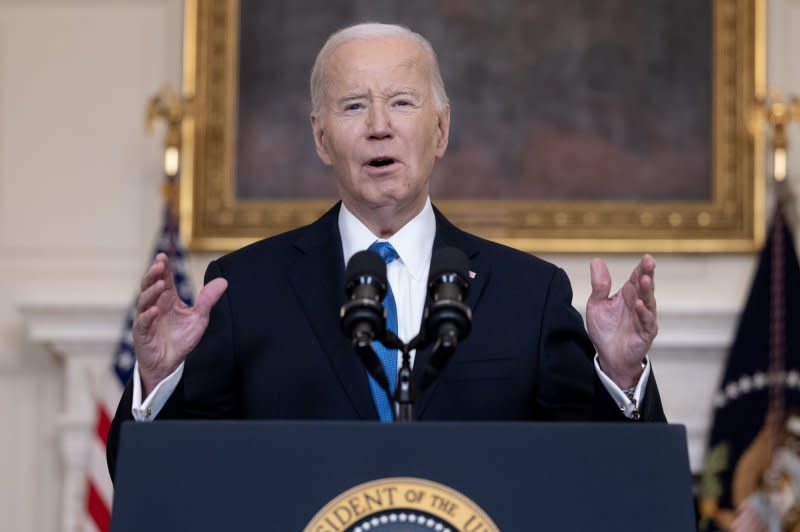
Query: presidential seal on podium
[{"x": 404, "y": 504}]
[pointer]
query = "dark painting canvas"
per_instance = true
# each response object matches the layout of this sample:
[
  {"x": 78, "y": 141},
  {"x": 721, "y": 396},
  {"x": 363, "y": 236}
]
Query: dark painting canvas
[{"x": 551, "y": 99}]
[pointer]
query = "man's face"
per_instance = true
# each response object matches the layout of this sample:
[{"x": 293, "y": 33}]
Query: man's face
[{"x": 378, "y": 128}]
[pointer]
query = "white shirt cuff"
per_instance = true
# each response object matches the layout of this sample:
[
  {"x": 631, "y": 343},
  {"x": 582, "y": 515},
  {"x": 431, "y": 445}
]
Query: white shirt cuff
[
  {"x": 628, "y": 407},
  {"x": 149, "y": 409}
]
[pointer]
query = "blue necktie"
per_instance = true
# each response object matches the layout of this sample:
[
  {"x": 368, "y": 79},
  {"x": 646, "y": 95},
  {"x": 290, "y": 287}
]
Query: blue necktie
[{"x": 388, "y": 357}]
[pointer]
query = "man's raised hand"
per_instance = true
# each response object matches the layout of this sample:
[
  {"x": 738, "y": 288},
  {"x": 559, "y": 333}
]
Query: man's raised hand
[
  {"x": 622, "y": 327},
  {"x": 165, "y": 329}
]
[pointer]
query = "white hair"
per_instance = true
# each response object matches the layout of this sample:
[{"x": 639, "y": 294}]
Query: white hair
[{"x": 374, "y": 30}]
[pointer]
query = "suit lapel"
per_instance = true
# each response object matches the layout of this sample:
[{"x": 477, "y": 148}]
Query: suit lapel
[
  {"x": 317, "y": 277},
  {"x": 447, "y": 235}
]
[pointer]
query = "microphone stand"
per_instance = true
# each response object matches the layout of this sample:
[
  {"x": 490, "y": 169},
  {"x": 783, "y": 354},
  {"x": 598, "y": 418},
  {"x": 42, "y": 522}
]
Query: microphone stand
[
  {"x": 443, "y": 349},
  {"x": 403, "y": 396},
  {"x": 404, "y": 392},
  {"x": 442, "y": 352}
]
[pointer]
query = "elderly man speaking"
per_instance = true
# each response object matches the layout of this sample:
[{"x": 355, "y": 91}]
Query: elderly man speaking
[{"x": 263, "y": 340}]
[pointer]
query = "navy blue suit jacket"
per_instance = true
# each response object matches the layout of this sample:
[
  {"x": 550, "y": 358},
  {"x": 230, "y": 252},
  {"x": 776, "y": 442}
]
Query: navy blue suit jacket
[{"x": 274, "y": 348}]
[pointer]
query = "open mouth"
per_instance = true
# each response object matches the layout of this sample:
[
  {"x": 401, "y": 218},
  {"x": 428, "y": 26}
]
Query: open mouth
[{"x": 380, "y": 162}]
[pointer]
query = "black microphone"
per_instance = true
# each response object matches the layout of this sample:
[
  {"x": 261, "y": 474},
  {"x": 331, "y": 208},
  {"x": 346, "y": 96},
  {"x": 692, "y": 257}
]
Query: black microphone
[
  {"x": 362, "y": 317},
  {"x": 448, "y": 319}
]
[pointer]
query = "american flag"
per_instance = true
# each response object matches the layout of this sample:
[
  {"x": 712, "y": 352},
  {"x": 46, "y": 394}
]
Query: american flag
[{"x": 99, "y": 490}]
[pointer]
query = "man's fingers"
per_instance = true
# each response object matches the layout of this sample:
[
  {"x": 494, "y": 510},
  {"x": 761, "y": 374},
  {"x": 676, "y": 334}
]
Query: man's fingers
[
  {"x": 144, "y": 320},
  {"x": 645, "y": 266},
  {"x": 629, "y": 295},
  {"x": 648, "y": 264},
  {"x": 646, "y": 324},
  {"x": 209, "y": 295},
  {"x": 601, "y": 279},
  {"x": 647, "y": 319},
  {"x": 149, "y": 296},
  {"x": 647, "y": 292},
  {"x": 169, "y": 276},
  {"x": 154, "y": 273}
]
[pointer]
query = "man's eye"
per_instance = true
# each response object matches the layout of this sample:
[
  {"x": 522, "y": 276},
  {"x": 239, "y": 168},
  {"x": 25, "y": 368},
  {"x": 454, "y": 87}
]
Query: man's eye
[
  {"x": 402, "y": 103},
  {"x": 353, "y": 107}
]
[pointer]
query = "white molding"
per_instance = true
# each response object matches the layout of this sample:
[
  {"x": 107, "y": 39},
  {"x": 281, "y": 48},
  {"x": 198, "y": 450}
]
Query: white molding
[
  {"x": 72, "y": 323},
  {"x": 695, "y": 328},
  {"x": 83, "y": 336}
]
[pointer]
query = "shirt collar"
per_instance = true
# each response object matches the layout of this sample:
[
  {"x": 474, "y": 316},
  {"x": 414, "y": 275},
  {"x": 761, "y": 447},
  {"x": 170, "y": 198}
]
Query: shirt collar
[{"x": 413, "y": 242}]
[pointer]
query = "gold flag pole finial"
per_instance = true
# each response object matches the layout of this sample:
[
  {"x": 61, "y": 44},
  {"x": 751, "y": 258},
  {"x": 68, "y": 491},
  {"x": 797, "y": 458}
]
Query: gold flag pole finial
[
  {"x": 779, "y": 114},
  {"x": 170, "y": 107}
]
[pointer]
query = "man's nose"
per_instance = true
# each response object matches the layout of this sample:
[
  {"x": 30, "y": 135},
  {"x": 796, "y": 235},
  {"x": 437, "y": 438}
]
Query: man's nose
[{"x": 379, "y": 124}]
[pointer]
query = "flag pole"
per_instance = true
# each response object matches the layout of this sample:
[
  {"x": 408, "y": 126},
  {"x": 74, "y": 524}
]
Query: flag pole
[{"x": 779, "y": 114}]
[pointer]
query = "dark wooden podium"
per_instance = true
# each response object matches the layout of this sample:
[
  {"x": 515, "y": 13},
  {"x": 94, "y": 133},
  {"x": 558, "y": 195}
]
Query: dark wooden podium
[{"x": 472, "y": 477}]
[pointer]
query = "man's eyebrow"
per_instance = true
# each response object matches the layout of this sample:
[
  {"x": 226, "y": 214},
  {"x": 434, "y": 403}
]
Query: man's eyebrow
[
  {"x": 405, "y": 92},
  {"x": 352, "y": 96}
]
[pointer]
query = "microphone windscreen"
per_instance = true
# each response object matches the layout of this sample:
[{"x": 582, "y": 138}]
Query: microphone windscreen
[
  {"x": 366, "y": 263},
  {"x": 449, "y": 260}
]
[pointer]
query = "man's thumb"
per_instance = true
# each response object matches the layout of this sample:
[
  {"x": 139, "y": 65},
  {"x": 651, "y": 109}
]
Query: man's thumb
[
  {"x": 601, "y": 279},
  {"x": 210, "y": 294}
]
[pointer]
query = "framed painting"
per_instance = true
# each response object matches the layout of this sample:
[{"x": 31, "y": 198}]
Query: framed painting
[{"x": 577, "y": 126}]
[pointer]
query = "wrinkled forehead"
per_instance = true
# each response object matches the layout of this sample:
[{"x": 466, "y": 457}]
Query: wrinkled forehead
[{"x": 385, "y": 60}]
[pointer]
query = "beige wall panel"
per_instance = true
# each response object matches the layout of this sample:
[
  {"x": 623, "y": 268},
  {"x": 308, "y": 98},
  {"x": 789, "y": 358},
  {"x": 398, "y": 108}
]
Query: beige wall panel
[
  {"x": 29, "y": 469},
  {"x": 78, "y": 175}
]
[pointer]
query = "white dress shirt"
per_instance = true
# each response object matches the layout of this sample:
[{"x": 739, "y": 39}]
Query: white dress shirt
[{"x": 408, "y": 276}]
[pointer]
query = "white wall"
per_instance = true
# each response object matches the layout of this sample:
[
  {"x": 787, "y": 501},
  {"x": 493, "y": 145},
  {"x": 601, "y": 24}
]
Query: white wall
[{"x": 79, "y": 201}]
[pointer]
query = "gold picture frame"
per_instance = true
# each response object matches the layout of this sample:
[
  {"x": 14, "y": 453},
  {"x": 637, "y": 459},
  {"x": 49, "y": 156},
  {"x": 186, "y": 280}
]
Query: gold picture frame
[{"x": 213, "y": 218}]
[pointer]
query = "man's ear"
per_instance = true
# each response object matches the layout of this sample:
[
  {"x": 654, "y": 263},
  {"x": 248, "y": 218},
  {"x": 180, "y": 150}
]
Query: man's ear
[
  {"x": 442, "y": 132},
  {"x": 319, "y": 139}
]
